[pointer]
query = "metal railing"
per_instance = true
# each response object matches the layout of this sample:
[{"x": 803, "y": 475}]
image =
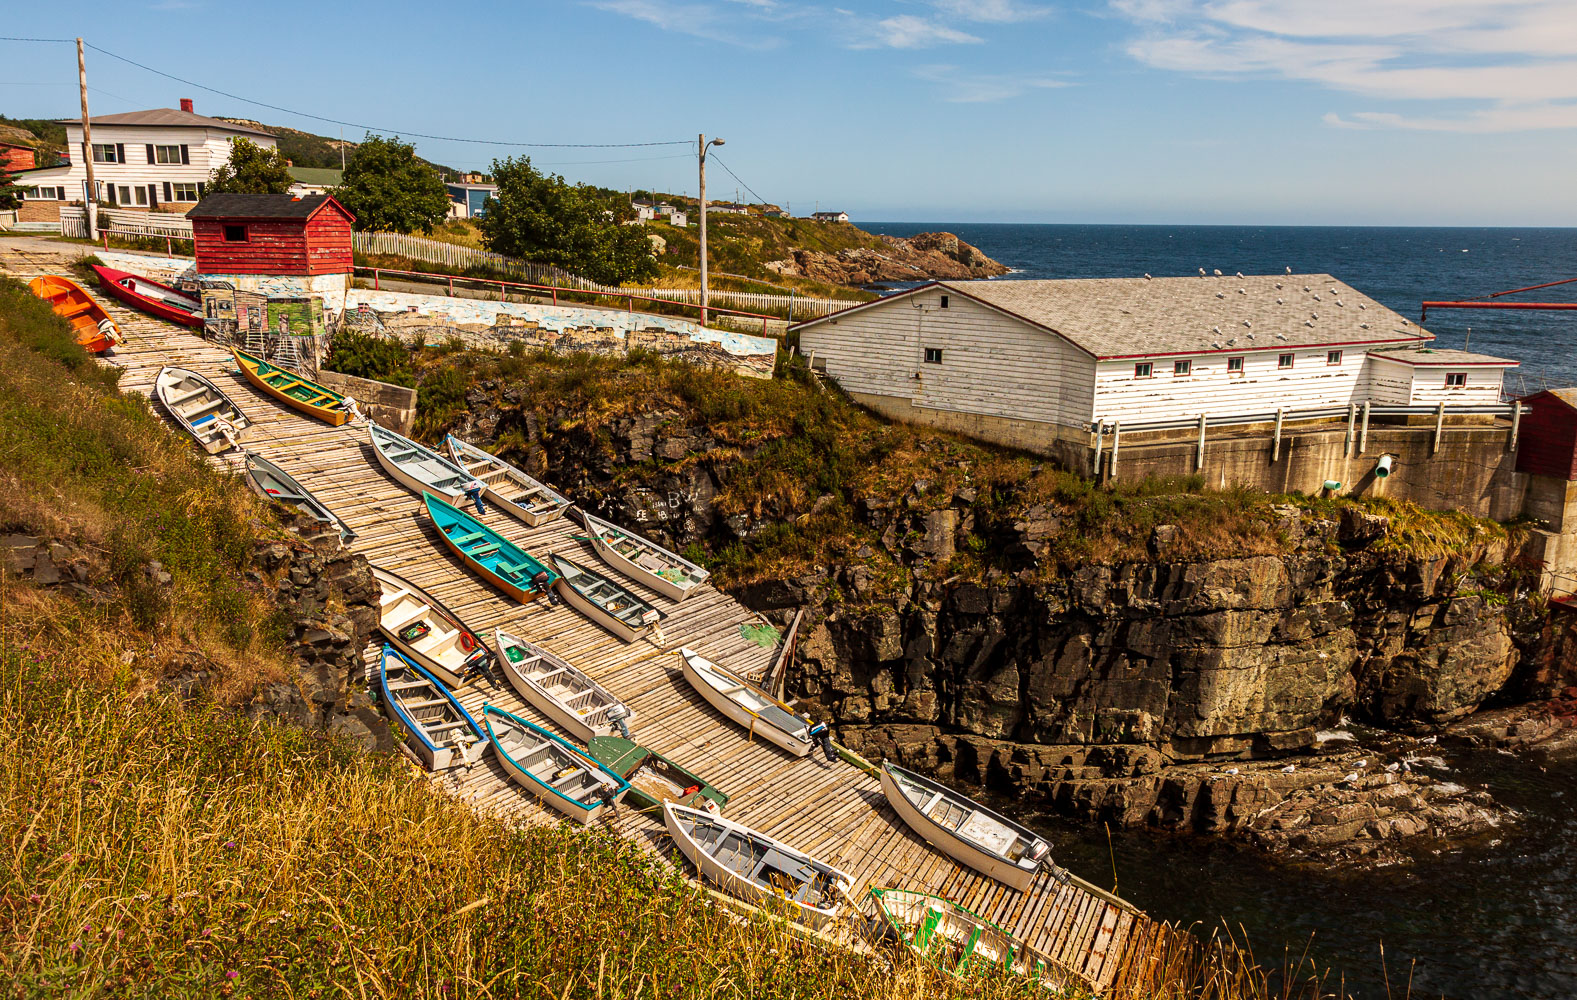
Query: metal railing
[{"x": 1324, "y": 413}]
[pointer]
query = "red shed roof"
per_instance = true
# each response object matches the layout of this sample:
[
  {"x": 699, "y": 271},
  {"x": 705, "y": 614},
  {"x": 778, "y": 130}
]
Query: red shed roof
[{"x": 264, "y": 206}]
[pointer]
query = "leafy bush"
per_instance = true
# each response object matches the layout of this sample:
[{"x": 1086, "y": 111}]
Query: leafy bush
[{"x": 369, "y": 356}]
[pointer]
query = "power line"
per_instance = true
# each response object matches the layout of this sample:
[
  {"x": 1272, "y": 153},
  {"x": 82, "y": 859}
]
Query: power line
[
  {"x": 336, "y": 121},
  {"x": 735, "y": 176}
]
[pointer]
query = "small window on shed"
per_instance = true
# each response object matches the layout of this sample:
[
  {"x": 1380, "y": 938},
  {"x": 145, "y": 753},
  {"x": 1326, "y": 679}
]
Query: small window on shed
[
  {"x": 1456, "y": 380},
  {"x": 235, "y": 234},
  {"x": 944, "y": 302},
  {"x": 1182, "y": 367},
  {"x": 1333, "y": 357},
  {"x": 1143, "y": 370},
  {"x": 1234, "y": 366},
  {"x": 1284, "y": 361},
  {"x": 933, "y": 355}
]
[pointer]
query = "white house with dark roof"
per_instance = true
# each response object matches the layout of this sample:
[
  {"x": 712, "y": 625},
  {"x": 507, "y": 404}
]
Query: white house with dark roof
[
  {"x": 1031, "y": 363},
  {"x": 158, "y": 160}
]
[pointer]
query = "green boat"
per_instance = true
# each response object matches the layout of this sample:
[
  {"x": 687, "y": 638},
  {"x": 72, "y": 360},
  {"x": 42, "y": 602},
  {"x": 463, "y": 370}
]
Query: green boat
[
  {"x": 488, "y": 554},
  {"x": 958, "y": 942},
  {"x": 653, "y": 778}
]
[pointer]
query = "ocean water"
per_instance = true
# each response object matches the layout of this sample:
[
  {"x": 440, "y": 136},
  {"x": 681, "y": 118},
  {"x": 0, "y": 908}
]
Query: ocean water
[
  {"x": 1400, "y": 267},
  {"x": 1495, "y": 921}
]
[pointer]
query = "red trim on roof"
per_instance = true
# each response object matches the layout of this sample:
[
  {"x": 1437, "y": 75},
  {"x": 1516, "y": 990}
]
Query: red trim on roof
[
  {"x": 1449, "y": 364},
  {"x": 1278, "y": 348}
]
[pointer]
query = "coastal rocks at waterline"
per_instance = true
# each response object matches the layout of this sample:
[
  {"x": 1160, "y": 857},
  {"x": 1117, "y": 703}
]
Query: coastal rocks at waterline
[{"x": 921, "y": 257}]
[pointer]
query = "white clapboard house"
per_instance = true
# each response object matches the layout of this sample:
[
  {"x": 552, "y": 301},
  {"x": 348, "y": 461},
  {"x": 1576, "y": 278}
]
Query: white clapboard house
[
  {"x": 159, "y": 160},
  {"x": 1037, "y": 364}
]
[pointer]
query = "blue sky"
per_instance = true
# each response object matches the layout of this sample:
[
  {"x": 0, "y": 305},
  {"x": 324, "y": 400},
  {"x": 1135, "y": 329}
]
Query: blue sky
[{"x": 1427, "y": 112}]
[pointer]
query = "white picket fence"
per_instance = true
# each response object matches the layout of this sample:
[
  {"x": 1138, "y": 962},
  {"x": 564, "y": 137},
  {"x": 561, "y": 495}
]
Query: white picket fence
[
  {"x": 73, "y": 222},
  {"x": 453, "y": 255}
]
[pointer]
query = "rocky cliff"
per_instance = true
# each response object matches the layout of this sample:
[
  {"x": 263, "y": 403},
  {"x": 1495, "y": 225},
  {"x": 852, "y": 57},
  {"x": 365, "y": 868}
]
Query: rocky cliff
[{"x": 913, "y": 258}]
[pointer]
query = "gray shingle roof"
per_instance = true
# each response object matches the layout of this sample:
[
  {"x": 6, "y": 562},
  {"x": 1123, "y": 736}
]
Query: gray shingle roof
[
  {"x": 1128, "y": 317},
  {"x": 169, "y": 117},
  {"x": 258, "y": 206},
  {"x": 1431, "y": 356}
]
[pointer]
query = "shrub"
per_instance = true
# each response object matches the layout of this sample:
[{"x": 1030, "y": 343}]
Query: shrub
[{"x": 369, "y": 356}]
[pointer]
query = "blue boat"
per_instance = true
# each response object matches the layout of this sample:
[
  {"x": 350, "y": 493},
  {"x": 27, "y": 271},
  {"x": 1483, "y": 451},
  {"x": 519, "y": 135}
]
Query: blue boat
[
  {"x": 435, "y": 722},
  {"x": 552, "y": 768},
  {"x": 488, "y": 554}
]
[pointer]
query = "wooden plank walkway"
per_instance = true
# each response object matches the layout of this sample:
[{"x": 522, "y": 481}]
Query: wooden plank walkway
[{"x": 833, "y": 811}]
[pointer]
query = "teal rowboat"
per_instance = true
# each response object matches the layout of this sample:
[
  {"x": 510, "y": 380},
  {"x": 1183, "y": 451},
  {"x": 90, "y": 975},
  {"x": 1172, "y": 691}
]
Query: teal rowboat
[
  {"x": 552, "y": 768},
  {"x": 488, "y": 554},
  {"x": 653, "y": 778}
]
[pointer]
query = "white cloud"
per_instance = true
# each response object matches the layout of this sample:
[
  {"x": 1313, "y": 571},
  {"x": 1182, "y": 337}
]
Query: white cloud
[
  {"x": 991, "y": 11},
  {"x": 702, "y": 20},
  {"x": 905, "y": 31},
  {"x": 960, "y": 87},
  {"x": 1515, "y": 61}
]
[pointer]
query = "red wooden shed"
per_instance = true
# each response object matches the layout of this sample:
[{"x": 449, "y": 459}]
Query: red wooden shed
[
  {"x": 1548, "y": 445},
  {"x": 271, "y": 234}
]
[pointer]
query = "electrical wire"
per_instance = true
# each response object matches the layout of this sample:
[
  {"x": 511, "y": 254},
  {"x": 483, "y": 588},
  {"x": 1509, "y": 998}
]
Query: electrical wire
[{"x": 747, "y": 187}]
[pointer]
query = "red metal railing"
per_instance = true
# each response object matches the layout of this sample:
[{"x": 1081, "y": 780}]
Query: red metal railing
[
  {"x": 131, "y": 234},
  {"x": 555, "y": 290}
]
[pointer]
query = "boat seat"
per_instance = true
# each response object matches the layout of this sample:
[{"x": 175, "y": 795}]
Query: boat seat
[
  {"x": 389, "y": 599},
  {"x": 418, "y": 613},
  {"x": 468, "y": 539},
  {"x": 176, "y": 399},
  {"x": 411, "y": 706},
  {"x": 484, "y": 550},
  {"x": 549, "y": 675},
  {"x": 212, "y": 404},
  {"x": 513, "y": 568},
  {"x": 406, "y": 685}
]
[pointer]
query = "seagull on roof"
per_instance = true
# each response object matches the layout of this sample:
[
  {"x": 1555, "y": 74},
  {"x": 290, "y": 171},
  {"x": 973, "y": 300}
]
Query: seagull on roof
[
  {"x": 1201, "y": 272},
  {"x": 1289, "y": 271},
  {"x": 1247, "y": 323},
  {"x": 1221, "y": 295},
  {"x": 1364, "y": 325},
  {"x": 1218, "y": 272},
  {"x": 1215, "y": 329},
  {"x": 1240, "y": 274},
  {"x": 1279, "y": 302},
  {"x": 1281, "y": 336},
  {"x": 1362, "y": 306},
  {"x": 1147, "y": 275}
]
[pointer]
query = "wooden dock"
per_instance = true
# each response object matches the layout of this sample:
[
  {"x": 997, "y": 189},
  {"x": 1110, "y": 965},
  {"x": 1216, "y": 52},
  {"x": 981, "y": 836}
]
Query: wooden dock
[{"x": 835, "y": 812}]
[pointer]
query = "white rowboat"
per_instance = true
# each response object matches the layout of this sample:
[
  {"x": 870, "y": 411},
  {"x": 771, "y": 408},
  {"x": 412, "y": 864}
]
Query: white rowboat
[
  {"x": 747, "y": 704},
  {"x": 435, "y": 723},
  {"x": 551, "y": 769},
  {"x": 965, "y": 830},
  {"x": 202, "y": 409},
  {"x": 416, "y": 467},
  {"x": 510, "y": 489},
  {"x": 419, "y": 626},
  {"x": 644, "y": 561},
  {"x": 755, "y": 867},
  {"x": 603, "y": 601},
  {"x": 581, "y": 707}
]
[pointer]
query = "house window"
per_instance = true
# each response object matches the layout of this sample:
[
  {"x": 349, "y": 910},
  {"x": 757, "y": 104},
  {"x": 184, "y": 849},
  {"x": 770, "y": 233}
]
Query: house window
[
  {"x": 1333, "y": 357},
  {"x": 1234, "y": 366},
  {"x": 1143, "y": 370},
  {"x": 1456, "y": 380},
  {"x": 125, "y": 195},
  {"x": 933, "y": 355},
  {"x": 167, "y": 154},
  {"x": 104, "y": 152},
  {"x": 235, "y": 234},
  {"x": 44, "y": 194},
  {"x": 1182, "y": 367},
  {"x": 142, "y": 194},
  {"x": 944, "y": 302},
  {"x": 185, "y": 192},
  {"x": 1284, "y": 361}
]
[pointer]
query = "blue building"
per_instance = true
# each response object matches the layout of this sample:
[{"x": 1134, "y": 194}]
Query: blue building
[{"x": 466, "y": 199}]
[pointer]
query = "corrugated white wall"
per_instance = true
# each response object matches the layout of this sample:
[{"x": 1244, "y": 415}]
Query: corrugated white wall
[
  {"x": 1263, "y": 386},
  {"x": 991, "y": 364},
  {"x": 1429, "y": 386}
]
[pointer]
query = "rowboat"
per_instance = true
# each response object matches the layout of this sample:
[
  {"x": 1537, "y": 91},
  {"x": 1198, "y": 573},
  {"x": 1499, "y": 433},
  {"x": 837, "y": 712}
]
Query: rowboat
[
  {"x": 202, "y": 409},
  {"x": 487, "y": 553},
  {"x": 509, "y": 488},
  {"x": 965, "y": 830},
  {"x": 604, "y": 601},
  {"x": 551, "y": 768},
  {"x": 747, "y": 704},
  {"x": 755, "y": 867},
  {"x": 581, "y": 706},
  {"x": 295, "y": 391},
  {"x": 152, "y": 297},
  {"x": 421, "y": 628},
  {"x": 94, "y": 329},
  {"x": 653, "y": 778},
  {"x": 415, "y": 466},
  {"x": 953, "y": 939},
  {"x": 646, "y": 562},
  {"x": 273, "y": 483},
  {"x": 436, "y": 724}
]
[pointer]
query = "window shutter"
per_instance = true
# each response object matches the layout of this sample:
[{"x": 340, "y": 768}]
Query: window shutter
[
  {"x": 150, "y": 152},
  {"x": 200, "y": 186},
  {"x": 168, "y": 194},
  {"x": 120, "y": 152},
  {"x": 153, "y": 196},
  {"x": 186, "y": 157},
  {"x": 111, "y": 198}
]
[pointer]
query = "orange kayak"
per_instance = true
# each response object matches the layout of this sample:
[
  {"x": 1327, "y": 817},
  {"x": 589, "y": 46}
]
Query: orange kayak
[{"x": 95, "y": 331}]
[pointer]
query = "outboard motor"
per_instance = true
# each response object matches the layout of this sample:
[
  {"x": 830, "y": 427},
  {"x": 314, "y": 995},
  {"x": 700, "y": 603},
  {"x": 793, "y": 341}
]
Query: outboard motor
[
  {"x": 617, "y": 713},
  {"x": 822, "y": 737},
  {"x": 543, "y": 584}
]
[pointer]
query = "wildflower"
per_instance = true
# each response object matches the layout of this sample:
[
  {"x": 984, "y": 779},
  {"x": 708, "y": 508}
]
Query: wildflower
[
  {"x": 74, "y": 946},
  {"x": 35, "y": 897},
  {"x": 231, "y": 973},
  {"x": 231, "y": 845}
]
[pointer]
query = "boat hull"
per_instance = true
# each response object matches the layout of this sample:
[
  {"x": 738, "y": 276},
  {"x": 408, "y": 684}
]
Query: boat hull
[
  {"x": 504, "y": 473},
  {"x": 562, "y": 715},
  {"x": 736, "y": 885},
  {"x": 214, "y": 405},
  {"x": 111, "y": 281},
  {"x": 632, "y": 569},
  {"x": 592, "y": 610},
  {"x": 436, "y": 756},
  {"x": 742, "y": 715},
  {"x": 923, "y": 922},
  {"x": 260, "y": 470},
  {"x": 87, "y": 318},
  {"x": 523, "y": 591},
  {"x": 578, "y": 811},
  {"x": 330, "y": 412},
  {"x": 627, "y": 759},
  {"x": 452, "y": 675},
  {"x": 950, "y": 844},
  {"x": 401, "y": 475}
]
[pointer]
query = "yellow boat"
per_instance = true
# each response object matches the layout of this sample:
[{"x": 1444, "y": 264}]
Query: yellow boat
[{"x": 293, "y": 390}]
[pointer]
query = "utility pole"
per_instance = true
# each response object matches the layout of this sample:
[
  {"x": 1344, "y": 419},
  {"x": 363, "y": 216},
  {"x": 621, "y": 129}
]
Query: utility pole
[
  {"x": 89, "y": 206},
  {"x": 701, "y": 202}
]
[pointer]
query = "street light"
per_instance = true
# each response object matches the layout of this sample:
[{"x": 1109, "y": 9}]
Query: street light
[{"x": 703, "y": 145}]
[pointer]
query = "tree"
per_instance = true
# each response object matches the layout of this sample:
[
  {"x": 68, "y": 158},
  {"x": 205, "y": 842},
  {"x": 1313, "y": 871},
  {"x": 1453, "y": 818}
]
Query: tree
[
  {"x": 544, "y": 218},
  {"x": 10, "y": 192},
  {"x": 251, "y": 169},
  {"x": 388, "y": 189}
]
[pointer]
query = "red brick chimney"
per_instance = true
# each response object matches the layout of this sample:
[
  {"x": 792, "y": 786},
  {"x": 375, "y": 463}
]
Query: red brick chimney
[{"x": 186, "y": 104}]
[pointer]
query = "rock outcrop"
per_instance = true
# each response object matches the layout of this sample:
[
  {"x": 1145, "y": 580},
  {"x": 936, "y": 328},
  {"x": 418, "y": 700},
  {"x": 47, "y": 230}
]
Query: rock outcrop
[{"x": 921, "y": 257}]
